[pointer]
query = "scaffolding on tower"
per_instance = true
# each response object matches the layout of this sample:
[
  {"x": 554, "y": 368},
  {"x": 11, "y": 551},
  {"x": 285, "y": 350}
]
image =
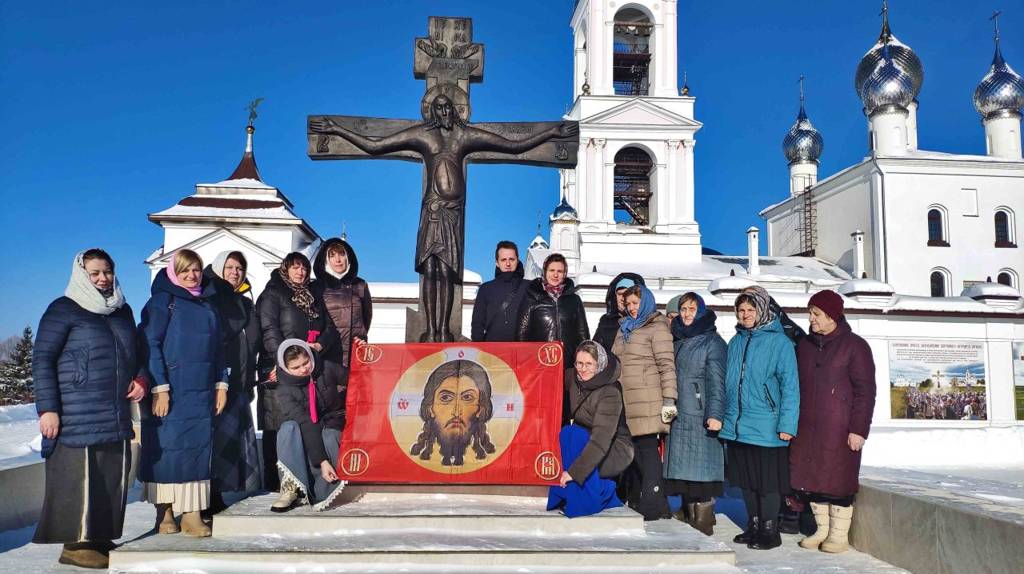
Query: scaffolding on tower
[{"x": 808, "y": 228}]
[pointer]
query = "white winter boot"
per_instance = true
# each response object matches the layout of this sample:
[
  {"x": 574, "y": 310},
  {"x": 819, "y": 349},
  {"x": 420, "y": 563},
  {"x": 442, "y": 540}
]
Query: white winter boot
[
  {"x": 288, "y": 498},
  {"x": 820, "y": 511},
  {"x": 838, "y": 539}
]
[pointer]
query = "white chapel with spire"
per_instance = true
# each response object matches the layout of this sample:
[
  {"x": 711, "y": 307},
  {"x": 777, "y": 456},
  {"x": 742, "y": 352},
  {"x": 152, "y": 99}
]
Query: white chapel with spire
[{"x": 241, "y": 213}]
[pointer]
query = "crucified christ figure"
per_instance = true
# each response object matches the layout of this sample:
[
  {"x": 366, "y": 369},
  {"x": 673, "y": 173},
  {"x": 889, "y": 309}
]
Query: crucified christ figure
[{"x": 444, "y": 141}]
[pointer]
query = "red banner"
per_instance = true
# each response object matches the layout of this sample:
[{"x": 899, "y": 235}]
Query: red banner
[{"x": 462, "y": 413}]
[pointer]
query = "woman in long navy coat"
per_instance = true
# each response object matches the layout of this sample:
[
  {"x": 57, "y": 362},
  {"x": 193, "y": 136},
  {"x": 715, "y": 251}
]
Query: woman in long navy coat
[
  {"x": 83, "y": 366},
  {"x": 186, "y": 364}
]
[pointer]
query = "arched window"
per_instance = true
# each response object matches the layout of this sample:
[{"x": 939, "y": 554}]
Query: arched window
[
  {"x": 1004, "y": 228},
  {"x": 631, "y": 58},
  {"x": 937, "y": 236},
  {"x": 1008, "y": 277},
  {"x": 939, "y": 282},
  {"x": 632, "y": 200}
]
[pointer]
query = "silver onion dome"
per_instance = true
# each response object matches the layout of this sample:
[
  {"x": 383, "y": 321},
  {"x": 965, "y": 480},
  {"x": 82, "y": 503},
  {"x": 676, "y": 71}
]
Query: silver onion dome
[
  {"x": 1001, "y": 91},
  {"x": 887, "y": 86},
  {"x": 803, "y": 143},
  {"x": 903, "y": 58},
  {"x": 564, "y": 209}
]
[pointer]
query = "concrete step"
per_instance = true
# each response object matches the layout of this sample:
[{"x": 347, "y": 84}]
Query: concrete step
[
  {"x": 663, "y": 546},
  {"x": 412, "y": 511},
  {"x": 428, "y": 529}
]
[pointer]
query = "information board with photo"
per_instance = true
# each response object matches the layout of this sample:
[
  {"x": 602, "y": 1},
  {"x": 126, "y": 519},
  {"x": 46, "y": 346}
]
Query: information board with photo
[
  {"x": 937, "y": 380},
  {"x": 1018, "y": 378}
]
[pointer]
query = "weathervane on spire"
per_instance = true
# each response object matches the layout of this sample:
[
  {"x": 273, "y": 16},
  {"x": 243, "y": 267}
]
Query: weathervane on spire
[
  {"x": 885, "y": 19},
  {"x": 252, "y": 110},
  {"x": 801, "y": 82}
]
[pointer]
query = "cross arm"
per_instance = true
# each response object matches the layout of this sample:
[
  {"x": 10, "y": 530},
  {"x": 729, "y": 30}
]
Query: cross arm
[
  {"x": 521, "y": 139},
  {"x": 384, "y": 136}
]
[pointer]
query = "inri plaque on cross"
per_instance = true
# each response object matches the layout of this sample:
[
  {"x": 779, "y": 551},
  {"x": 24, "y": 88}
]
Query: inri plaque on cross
[{"x": 444, "y": 140}]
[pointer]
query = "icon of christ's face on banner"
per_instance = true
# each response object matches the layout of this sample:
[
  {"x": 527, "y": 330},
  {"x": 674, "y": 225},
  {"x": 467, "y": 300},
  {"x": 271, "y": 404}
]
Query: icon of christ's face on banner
[{"x": 455, "y": 409}]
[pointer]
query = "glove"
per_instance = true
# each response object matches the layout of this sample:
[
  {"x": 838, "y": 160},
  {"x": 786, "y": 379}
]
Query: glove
[{"x": 668, "y": 413}]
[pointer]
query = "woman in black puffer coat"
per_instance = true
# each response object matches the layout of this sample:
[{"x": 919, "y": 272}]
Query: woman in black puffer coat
[
  {"x": 287, "y": 309},
  {"x": 345, "y": 295},
  {"x": 83, "y": 366},
  {"x": 552, "y": 311}
]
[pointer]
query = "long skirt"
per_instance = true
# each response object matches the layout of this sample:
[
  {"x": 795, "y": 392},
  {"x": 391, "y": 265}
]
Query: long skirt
[
  {"x": 761, "y": 469},
  {"x": 85, "y": 494},
  {"x": 235, "y": 465},
  {"x": 595, "y": 494},
  {"x": 692, "y": 490},
  {"x": 182, "y": 496},
  {"x": 296, "y": 470}
]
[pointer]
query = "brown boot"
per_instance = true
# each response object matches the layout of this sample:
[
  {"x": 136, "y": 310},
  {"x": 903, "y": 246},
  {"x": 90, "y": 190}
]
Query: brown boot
[
  {"x": 83, "y": 555},
  {"x": 165, "y": 523},
  {"x": 192, "y": 525},
  {"x": 704, "y": 517}
]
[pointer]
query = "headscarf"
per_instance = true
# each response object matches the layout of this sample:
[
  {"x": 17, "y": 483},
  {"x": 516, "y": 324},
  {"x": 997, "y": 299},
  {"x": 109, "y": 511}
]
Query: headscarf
[
  {"x": 221, "y": 260},
  {"x": 673, "y": 304},
  {"x": 301, "y": 295},
  {"x": 602, "y": 356},
  {"x": 703, "y": 321},
  {"x": 311, "y": 384},
  {"x": 554, "y": 290},
  {"x": 647, "y": 308},
  {"x": 81, "y": 290},
  {"x": 173, "y": 276},
  {"x": 762, "y": 304}
]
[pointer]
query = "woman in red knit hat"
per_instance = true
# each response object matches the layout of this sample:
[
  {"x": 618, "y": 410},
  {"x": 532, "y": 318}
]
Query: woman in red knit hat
[{"x": 837, "y": 397}]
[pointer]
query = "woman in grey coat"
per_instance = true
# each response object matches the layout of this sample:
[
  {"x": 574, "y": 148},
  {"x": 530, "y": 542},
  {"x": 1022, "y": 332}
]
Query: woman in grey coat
[{"x": 694, "y": 457}]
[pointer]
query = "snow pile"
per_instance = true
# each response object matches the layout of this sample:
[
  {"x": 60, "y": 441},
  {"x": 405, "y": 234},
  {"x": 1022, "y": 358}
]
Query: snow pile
[
  {"x": 991, "y": 447},
  {"x": 19, "y": 429}
]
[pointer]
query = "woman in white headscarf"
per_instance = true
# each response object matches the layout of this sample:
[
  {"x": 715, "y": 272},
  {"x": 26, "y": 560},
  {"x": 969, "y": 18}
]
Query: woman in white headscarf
[{"x": 84, "y": 365}]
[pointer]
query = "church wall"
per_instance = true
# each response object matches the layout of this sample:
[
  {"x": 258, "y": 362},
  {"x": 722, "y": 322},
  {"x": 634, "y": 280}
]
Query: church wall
[
  {"x": 839, "y": 214},
  {"x": 970, "y": 201}
]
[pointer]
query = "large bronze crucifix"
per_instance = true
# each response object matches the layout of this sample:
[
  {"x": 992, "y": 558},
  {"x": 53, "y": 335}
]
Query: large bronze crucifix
[{"x": 445, "y": 142}]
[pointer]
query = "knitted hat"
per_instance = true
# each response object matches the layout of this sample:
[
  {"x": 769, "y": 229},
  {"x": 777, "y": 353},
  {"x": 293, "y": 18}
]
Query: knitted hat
[
  {"x": 830, "y": 302},
  {"x": 673, "y": 304}
]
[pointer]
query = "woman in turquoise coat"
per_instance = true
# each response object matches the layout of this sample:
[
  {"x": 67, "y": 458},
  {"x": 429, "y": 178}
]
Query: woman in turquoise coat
[{"x": 762, "y": 405}]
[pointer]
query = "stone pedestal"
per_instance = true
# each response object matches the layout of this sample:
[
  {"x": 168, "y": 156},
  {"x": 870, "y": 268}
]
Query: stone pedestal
[
  {"x": 384, "y": 528},
  {"x": 416, "y": 322}
]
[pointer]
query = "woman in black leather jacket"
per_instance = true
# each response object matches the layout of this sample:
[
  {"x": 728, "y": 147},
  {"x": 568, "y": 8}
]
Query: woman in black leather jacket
[{"x": 552, "y": 311}]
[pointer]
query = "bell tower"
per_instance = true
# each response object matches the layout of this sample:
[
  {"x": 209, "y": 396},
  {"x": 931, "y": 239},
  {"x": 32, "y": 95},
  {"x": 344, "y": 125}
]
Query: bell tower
[{"x": 633, "y": 184}]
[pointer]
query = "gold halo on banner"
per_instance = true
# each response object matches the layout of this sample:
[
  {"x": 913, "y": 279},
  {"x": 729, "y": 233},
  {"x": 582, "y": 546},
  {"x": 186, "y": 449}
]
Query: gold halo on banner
[
  {"x": 406, "y": 423},
  {"x": 458, "y": 96}
]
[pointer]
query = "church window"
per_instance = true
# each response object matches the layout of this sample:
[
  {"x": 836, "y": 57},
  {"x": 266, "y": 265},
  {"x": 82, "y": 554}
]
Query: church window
[
  {"x": 631, "y": 54},
  {"x": 633, "y": 170},
  {"x": 939, "y": 283},
  {"x": 1007, "y": 277},
  {"x": 937, "y": 228},
  {"x": 1004, "y": 228}
]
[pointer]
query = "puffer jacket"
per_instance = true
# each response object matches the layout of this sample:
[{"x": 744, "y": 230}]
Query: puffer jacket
[
  {"x": 240, "y": 328},
  {"x": 292, "y": 396},
  {"x": 82, "y": 365},
  {"x": 185, "y": 350},
  {"x": 762, "y": 390},
  {"x": 496, "y": 306},
  {"x": 544, "y": 318},
  {"x": 282, "y": 319},
  {"x": 691, "y": 451},
  {"x": 347, "y": 300},
  {"x": 608, "y": 325},
  {"x": 648, "y": 374},
  {"x": 596, "y": 405}
]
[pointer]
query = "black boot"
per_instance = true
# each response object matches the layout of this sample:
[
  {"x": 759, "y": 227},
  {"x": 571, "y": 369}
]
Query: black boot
[
  {"x": 748, "y": 535},
  {"x": 789, "y": 521},
  {"x": 768, "y": 537},
  {"x": 653, "y": 505}
]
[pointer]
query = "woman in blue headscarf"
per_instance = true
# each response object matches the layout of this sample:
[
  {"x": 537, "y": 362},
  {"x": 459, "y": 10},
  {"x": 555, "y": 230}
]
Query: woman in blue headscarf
[
  {"x": 694, "y": 457},
  {"x": 643, "y": 345}
]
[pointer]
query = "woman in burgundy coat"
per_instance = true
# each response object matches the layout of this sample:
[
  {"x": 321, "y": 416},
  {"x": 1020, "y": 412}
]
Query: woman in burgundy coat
[{"x": 837, "y": 397}]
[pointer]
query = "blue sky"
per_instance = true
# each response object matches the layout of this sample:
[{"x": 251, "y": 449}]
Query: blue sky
[{"x": 111, "y": 111}]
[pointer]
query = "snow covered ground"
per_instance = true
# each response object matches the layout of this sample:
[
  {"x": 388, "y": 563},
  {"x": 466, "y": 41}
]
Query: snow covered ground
[{"x": 19, "y": 435}]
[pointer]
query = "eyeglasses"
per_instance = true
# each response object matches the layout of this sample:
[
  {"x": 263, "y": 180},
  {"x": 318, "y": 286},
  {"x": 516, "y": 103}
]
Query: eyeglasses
[{"x": 581, "y": 365}]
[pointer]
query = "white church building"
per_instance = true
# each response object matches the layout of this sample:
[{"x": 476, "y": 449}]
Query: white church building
[{"x": 867, "y": 232}]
